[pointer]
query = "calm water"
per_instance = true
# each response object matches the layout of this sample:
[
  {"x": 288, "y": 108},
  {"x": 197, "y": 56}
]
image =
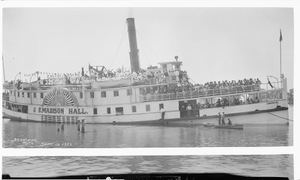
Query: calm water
[
  {"x": 249, "y": 165},
  {"x": 37, "y": 135}
]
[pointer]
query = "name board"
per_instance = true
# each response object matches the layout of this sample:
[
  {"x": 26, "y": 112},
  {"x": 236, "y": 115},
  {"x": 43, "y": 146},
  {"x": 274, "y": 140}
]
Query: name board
[{"x": 61, "y": 111}]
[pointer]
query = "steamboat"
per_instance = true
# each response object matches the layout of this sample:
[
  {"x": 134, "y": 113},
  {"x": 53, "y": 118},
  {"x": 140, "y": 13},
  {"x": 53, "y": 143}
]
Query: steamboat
[{"x": 157, "y": 95}]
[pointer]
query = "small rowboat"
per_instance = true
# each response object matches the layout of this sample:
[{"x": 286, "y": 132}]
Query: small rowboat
[{"x": 234, "y": 126}]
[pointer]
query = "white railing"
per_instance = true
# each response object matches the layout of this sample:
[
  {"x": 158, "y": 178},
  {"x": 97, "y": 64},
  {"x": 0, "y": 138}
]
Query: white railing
[{"x": 209, "y": 92}]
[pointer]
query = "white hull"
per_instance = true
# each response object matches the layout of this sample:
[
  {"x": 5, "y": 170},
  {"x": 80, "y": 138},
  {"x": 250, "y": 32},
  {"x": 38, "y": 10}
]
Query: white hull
[{"x": 260, "y": 113}]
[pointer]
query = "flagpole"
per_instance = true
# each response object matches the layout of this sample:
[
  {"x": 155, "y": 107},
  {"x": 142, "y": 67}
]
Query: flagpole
[
  {"x": 280, "y": 39},
  {"x": 3, "y": 69}
]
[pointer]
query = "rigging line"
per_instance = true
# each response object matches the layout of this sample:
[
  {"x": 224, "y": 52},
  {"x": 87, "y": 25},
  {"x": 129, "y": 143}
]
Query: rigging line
[
  {"x": 192, "y": 80},
  {"x": 145, "y": 55},
  {"x": 148, "y": 46},
  {"x": 280, "y": 117},
  {"x": 115, "y": 55}
]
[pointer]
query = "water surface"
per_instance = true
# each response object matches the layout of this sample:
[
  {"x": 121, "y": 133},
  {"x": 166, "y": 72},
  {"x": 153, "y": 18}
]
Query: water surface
[
  {"x": 46, "y": 135},
  {"x": 247, "y": 165}
]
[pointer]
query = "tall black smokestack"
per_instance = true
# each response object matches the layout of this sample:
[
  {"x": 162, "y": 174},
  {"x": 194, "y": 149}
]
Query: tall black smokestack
[{"x": 134, "y": 52}]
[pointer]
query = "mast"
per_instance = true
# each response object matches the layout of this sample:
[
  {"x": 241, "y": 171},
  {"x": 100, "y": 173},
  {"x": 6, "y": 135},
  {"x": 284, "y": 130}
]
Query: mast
[
  {"x": 3, "y": 68},
  {"x": 280, "y": 39},
  {"x": 134, "y": 52}
]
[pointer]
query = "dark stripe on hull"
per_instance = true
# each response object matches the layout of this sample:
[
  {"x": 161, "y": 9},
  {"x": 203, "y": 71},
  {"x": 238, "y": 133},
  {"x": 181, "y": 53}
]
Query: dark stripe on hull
[{"x": 197, "y": 119}]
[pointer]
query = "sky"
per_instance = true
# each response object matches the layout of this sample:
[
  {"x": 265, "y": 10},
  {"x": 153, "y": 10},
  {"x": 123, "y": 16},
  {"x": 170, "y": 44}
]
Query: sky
[{"x": 214, "y": 44}]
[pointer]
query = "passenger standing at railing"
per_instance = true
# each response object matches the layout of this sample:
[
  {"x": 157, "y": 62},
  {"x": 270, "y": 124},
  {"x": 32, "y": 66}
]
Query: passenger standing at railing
[
  {"x": 189, "y": 110},
  {"x": 182, "y": 111},
  {"x": 162, "y": 111}
]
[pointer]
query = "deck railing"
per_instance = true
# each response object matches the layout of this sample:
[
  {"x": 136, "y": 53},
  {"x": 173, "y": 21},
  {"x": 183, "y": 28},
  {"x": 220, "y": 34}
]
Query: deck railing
[{"x": 209, "y": 92}]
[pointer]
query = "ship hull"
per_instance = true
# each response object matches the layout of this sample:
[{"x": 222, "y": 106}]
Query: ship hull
[{"x": 261, "y": 113}]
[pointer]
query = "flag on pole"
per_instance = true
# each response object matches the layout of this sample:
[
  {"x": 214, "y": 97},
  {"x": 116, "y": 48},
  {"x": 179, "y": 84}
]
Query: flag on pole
[{"x": 280, "y": 38}]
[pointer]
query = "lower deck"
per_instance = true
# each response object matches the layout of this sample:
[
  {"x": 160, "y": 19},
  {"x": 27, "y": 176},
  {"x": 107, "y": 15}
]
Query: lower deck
[{"x": 272, "y": 114}]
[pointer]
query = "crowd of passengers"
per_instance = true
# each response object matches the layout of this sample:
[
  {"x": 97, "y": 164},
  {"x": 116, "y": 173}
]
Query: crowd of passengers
[
  {"x": 185, "y": 86},
  {"x": 191, "y": 109},
  {"x": 233, "y": 83},
  {"x": 144, "y": 76},
  {"x": 148, "y": 76},
  {"x": 17, "y": 108},
  {"x": 224, "y": 102}
]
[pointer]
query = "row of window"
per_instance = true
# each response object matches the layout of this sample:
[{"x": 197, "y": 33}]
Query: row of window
[
  {"x": 28, "y": 94},
  {"x": 120, "y": 111},
  {"x": 92, "y": 94},
  {"x": 103, "y": 94}
]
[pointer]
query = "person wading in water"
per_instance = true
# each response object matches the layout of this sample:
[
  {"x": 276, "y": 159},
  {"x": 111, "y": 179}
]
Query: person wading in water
[
  {"x": 82, "y": 128},
  {"x": 223, "y": 118}
]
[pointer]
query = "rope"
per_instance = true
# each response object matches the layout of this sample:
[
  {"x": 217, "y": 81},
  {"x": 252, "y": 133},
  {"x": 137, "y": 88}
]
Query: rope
[
  {"x": 115, "y": 55},
  {"x": 145, "y": 55},
  {"x": 280, "y": 117},
  {"x": 148, "y": 45},
  {"x": 193, "y": 80}
]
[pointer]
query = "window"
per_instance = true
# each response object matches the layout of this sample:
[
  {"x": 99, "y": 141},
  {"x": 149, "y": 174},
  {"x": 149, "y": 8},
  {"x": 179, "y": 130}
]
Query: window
[
  {"x": 116, "y": 93},
  {"x": 92, "y": 95},
  {"x": 18, "y": 94},
  {"x": 34, "y": 95},
  {"x": 129, "y": 92},
  {"x": 95, "y": 110},
  {"x": 22, "y": 94},
  {"x": 28, "y": 95},
  {"x": 33, "y": 109},
  {"x": 148, "y": 107},
  {"x": 42, "y": 95},
  {"x": 80, "y": 95},
  {"x": 161, "y": 106},
  {"x": 14, "y": 93},
  {"x": 119, "y": 111},
  {"x": 133, "y": 108},
  {"x": 103, "y": 94},
  {"x": 108, "y": 111}
]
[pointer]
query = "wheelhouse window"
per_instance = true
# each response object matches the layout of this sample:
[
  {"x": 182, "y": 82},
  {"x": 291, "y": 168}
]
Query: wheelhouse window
[
  {"x": 95, "y": 111},
  {"x": 34, "y": 95},
  {"x": 148, "y": 107},
  {"x": 28, "y": 95},
  {"x": 22, "y": 94},
  {"x": 116, "y": 93},
  {"x": 103, "y": 94},
  {"x": 108, "y": 111},
  {"x": 92, "y": 95},
  {"x": 18, "y": 94},
  {"x": 119, "y": 110},
  {"x": 42, "y": 95}
]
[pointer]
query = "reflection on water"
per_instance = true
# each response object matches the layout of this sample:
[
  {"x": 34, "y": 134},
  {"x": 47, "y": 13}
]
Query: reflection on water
[
  {"x": 29, "y": 134},
  {"x": 249, "y": 165}
]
